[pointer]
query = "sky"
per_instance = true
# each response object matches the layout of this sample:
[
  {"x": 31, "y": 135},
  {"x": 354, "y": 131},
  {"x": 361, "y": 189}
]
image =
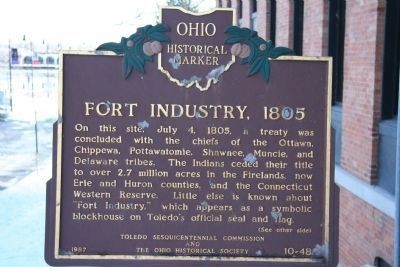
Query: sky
[{"x": 77, "y": 22}]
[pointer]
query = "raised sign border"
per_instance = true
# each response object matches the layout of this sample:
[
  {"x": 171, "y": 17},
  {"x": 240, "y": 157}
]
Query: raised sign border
[{"x": 328, "y": 183}]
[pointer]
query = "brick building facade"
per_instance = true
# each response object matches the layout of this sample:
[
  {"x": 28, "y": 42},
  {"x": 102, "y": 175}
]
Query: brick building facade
[{"x": 363, "y": 39}]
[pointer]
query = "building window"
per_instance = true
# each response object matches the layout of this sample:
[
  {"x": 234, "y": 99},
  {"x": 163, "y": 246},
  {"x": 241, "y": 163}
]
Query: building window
[
  {"x": 228, "y": 3},
  {"x": 336, "y": 51},
  {"x": 390, "y": 85},
  {"x": 337, "y": 9},
  {"x": 240, "y": 7},
  {"x": 240, "y": 12},
  {"x": 298, "y": 27},
  {"x": 272, "y": 21},
  {"x": 254, "y": 25},
  {"x": 390, "y": 96},
  {"x": 379, "y": 262}
]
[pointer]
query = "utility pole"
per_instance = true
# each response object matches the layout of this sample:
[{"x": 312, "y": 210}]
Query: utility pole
[
  {"x": 34, "y": 107},
  {"x": 9, "y": 69}
]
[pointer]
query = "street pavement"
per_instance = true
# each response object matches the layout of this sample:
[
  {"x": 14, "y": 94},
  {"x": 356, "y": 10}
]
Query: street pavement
[{"x": 23, "y": 175}]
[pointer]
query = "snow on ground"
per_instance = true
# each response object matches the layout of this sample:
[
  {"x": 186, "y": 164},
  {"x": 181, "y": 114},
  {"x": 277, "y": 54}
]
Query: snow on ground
[
  {"x": 22, "y": 220},
  {"x": 23, "y": 169}
]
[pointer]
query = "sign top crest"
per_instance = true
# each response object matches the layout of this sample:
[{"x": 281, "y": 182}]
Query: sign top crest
[{"x": 196, "y": 54}]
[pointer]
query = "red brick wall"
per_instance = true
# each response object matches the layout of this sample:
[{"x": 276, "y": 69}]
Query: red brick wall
[
  {"x": 365, "y": 232},
  {"x": 284, "y": 23},
  {"x": 362, "y": 87},
  {"x": 315, "y": 28}
]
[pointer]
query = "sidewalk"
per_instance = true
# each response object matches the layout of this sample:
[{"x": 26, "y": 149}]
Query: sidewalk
[
  {"x": 23, "y": 176},
  {"x": 22, "y": 220}
]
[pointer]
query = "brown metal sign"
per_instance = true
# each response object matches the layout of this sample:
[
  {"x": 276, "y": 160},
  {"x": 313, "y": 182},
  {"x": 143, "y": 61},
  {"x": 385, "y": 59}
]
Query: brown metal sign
[{"x": 149, "y": 172}]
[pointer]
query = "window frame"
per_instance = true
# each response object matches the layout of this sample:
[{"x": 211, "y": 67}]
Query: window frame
[
  {"x": 298, "y": 24},
  {"x": 272, "y": 21},
  {"x": 337, "y": 21}
]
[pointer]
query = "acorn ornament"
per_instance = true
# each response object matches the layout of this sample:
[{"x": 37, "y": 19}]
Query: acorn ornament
[
  {"x": 240, "y": 50},
  {"x": 152, "y": 48},
  {"x": 235, "y": 49},
  {"x": 156, "y": 47},
  {"x": 245, "y": 52},
  {"x": 129, "y": 43},
  {"x": 147, "y": 49}
]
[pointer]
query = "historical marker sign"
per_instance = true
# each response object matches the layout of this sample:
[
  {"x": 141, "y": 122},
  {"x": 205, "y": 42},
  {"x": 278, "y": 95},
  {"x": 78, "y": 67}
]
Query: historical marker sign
[{"x": 192, "y": 161}]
